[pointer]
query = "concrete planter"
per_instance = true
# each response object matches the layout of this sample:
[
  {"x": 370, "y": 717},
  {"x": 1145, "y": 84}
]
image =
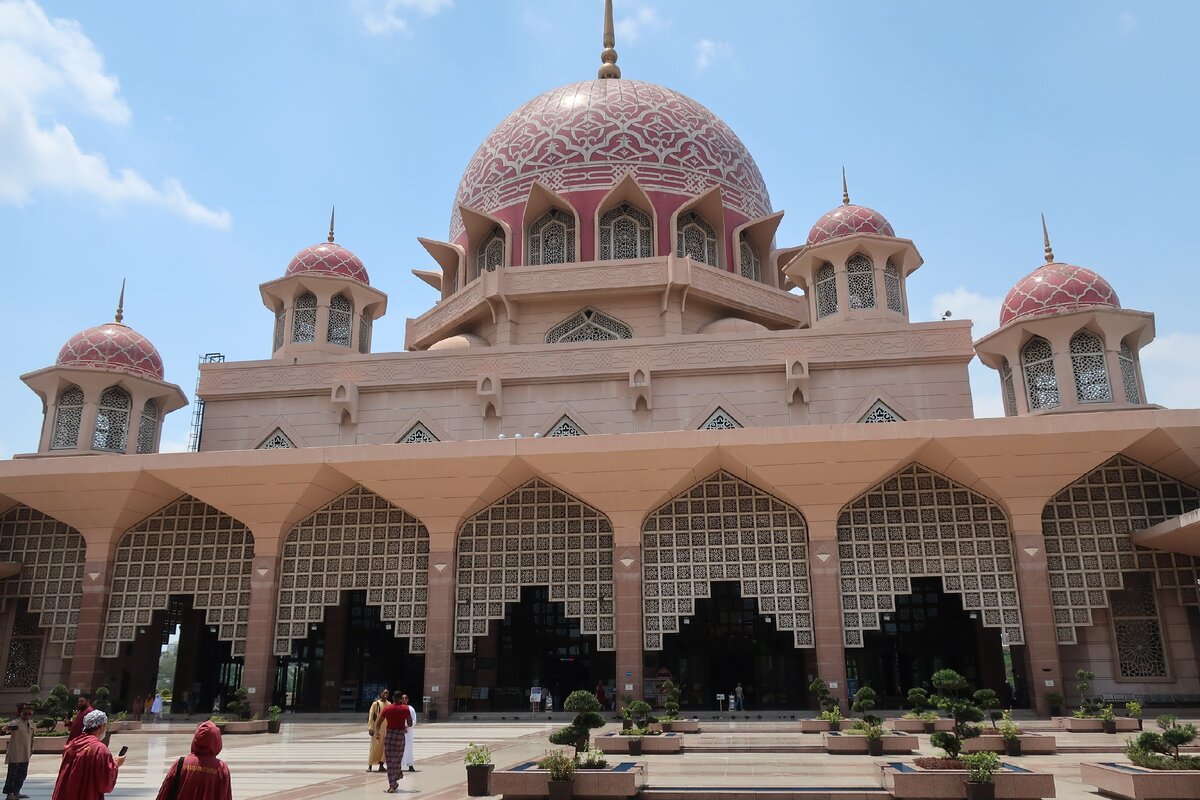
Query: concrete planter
[
  {"x": 1031, "y": 744},
  {"x": 918, "y": 725},
  {"x": 909, "y": 782},
  {"x": 243, "y": 727},
  {"x": 821, "y": 726},
  {"x": 1124, "y": 725},
  {"x": 528, "y": 781},
  {"x": 1137, "y": 783},
  {"x": 618, "y": 744},
  {"x": 682, "y": 726},
  {"x": 851, "y": 744},
  {"x": 49, "y": 744},
  {"x": 124, "y": 726}
]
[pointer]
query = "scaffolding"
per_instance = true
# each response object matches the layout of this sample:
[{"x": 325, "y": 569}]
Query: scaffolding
[{"x": 198, "y": 404}]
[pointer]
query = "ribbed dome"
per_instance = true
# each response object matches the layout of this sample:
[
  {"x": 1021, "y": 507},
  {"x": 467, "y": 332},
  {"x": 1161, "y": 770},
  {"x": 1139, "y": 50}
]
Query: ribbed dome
[
  {"x": 115, "y": 347},
  {"x": 849, "y": 219},
  {"x": 328, "y": 259},
  {"x": 1056, "y": 287}
]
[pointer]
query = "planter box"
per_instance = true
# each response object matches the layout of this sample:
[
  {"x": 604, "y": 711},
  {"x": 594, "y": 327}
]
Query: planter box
[
  {"x": 526, "y": 781},
  {"x": 1031, "y": 744},
  {"x": 821, "y": 726},
  {"x": 909, "y": 782},
  {"x": 616, "y": 743},
  {"x": 49, "y": 744},
  {"x": 918, "y": 725},
  {"x": 1124, "y": 725},
  {"x": 850, "y": 744},
  {"x": 124, "y": 726},
  {"x": 683, "y": 725},
  {"x": 243, "y": 727},
  {"x": 1127, "y": 780}
]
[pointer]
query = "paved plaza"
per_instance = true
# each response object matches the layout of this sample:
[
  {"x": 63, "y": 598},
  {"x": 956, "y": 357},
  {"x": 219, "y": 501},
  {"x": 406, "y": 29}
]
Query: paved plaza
[{"x": 325, "y": 759}]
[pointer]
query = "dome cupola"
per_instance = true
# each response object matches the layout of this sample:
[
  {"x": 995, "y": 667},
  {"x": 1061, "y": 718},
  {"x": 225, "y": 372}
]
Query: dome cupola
[
  {"x": 328, "y": 259},
  {"x": 113, "y": 347},
  {"x": 848, "y": 219}
]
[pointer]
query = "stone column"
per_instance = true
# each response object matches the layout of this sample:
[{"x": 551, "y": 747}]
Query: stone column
[
  {"x": 93, "y": 606},
  {"x": 439, "y": 629},
  {"x": 825, "y": 582},
  {"x": 627, "y": 614},
  {"x": 1037, "y": 611},
  {"x": 259, "y": 673}
]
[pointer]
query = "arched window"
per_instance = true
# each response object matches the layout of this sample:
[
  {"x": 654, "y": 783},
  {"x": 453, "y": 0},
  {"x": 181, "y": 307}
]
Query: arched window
[
  {"x": 1129, "y": 375},
  {"x": 67, "y": 419},
  {"x": 112, "y": 420},
  {"x": 491, "y": 252},
  {"x": 552, "y": 238},
  {"x": 695, "y": 239},
  {"x": 751, "y": 266},
  {"x": 589, "y": 325},
  {"x": 304, "y": 319},
  {"x": 1091, "y": 373},
  {"x": 341, "y": 320},
  {"x": 1010, "y": 392},
  {"x": 827, "y": 299},
  {"x": 1041, "y": 384},
  {"x": 280, "y": 315},
  {"x": 860, "y": 281},
  {"x": 364, "y": 334},
  {"x": 891, "y": 287},
  {"x": 148, "y": 431},
  {"x": 626, "y": 232}
]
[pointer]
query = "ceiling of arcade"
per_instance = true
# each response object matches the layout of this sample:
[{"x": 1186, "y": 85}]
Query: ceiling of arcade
[{"x": 1020, "y": 463}]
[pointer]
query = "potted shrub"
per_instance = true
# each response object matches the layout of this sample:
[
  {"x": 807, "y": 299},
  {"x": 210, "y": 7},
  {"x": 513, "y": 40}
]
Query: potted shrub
[
  {"x": 626, "y": 718},
  {"x": 987, "y": 701},
  {"x": 640, "y": 713},
  {"x": 1133, "y": 709},
  {"x": 1158, "y": 770},
  {"x": 431, "y": 710},
  {"x": 874, "y": 734},
  {"x": 1108, "y": 719},
  {"x": 982, "y": 767},
  {"x": 918, "y": 698},
  {"x": 1089, "y": 707},
  {"x": 635, "y": 736},
  {"x": 1011, "y": 732},
  {"x": 592, "y": 759},
  {"x": 479, "y": 769},
  {"x": 864, "y": 701},
  {"x": 1055, "y": 701},
  {"x": 587, "y": 717},
  {"x": 562, "y": 771},
  {"x": 670, "y": 693},
  {"x": 950, "y": 686},
  {"x": 273, "y": 721}
]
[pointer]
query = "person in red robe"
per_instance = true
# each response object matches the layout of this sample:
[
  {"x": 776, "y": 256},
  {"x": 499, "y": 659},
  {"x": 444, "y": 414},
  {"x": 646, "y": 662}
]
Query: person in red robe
[
  {"x": 204, "y": 776},
  {"x": 88, "y": 770},
  {"x": 83, "y": 708}
]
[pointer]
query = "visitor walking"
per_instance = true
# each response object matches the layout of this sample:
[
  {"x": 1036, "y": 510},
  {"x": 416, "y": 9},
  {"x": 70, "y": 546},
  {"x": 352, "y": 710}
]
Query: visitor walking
[
  {"x": 396, "y": 718},
  {"x": 600, "y": 695},
  {"x": 135, "y": 708},
  {"x": 83, "y": 707},
  {"x": 156, "y": 707},
  {"x": 199, "y": 775},
  {"x": 88, "y": 770},
  {"x": 376, "y": 728},
  {"x": 739, "y": 698},
  {"x": 20, "y": 749},
  {"x": 407, "y": 761}
]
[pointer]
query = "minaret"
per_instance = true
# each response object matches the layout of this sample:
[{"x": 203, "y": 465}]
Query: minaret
[{"x": 608, "y": 56}]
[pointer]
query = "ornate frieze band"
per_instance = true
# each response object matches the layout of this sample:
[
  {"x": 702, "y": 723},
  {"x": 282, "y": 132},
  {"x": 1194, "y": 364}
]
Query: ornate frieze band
[{"x": 51, "y": 554}]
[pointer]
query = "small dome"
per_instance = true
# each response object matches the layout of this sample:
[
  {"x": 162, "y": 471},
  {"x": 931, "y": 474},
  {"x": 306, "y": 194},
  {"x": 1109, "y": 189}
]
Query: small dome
[
  {"x": 848, "y": 219},
  {"x": 115, "y": 347},
  {"x": 462, "y": 341},
  {"x": 328, "y": 259},
  {"x": 732, "y": 325},
  {"x": 1054, "y": 288}
]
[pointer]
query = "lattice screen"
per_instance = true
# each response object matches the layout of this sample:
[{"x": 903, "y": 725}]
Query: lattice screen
[
  {"x": 919, "y": 524},
  {"x": 1137, "y": 629},
  {"x": 51, "y": 577},
  {"x": 537, "y": 535},
  {"x": 725, "y": 529},
  {"x": 187, "y": 548},
  {"x": 720, "y": 420},
  {"x": 357, "y": 542},
  {"x": 1087, "y": 526}
]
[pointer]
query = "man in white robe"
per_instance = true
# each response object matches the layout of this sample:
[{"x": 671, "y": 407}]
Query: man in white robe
[{"x": 408, "y": 736}]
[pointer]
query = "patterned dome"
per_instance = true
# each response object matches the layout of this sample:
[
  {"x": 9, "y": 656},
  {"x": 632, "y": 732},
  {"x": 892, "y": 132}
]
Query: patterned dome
[
  {"x": 589, "y": 135},
  {"x": 1055, "y": 287},
  {"x": 328, "y": 259},
  {"x": 848, "y": 219},
  {"x": 112, "y": 346}
]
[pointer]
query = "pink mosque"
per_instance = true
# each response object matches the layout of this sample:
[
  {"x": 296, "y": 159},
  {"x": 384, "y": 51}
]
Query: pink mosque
[{"x": 636, "y": 437}]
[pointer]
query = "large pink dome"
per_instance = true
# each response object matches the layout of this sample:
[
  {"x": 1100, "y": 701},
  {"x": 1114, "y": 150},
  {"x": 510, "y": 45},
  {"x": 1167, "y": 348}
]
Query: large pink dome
[
  {"x": 112, "y": 346},
  {"x": 1055, "y": 287},
  {"x": 328, "y": 259},
  {"x": 589, "y": 135},
  {"x": 849, "y": 219}
]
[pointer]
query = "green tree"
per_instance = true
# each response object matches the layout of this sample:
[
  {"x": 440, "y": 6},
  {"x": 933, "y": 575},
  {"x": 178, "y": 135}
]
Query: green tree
[{"x": 587, "y": 717}]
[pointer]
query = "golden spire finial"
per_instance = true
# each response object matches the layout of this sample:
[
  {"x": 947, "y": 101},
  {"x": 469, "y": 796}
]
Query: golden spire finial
[
  {"x": 845, "y": 191},
  {"x": 332, "y": 209},
  {"x": 1046, "y": 241},
  {"x": 608, "y": 56},
  {"x": 121, "y": 302}
]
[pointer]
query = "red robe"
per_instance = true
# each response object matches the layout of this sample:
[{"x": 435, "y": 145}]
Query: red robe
[
  {"x": 87, "y": 771},
  {"x": 77, "y": 723},
  {"x": 205, "y": 777}
]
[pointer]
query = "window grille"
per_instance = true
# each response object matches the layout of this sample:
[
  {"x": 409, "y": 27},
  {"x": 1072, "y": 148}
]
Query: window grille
[
  {"x": 68, "y": 418},
  {"x": 1137, "y": 629},
  {"x": 1041, "y": 383},
  {"x": 751, "y": 266},
  {"x": 696, "y": 239},
  {"x": 276, "y": 441},
  {"x": 1088, "y": 365},
  {"x": 589, "y": 325},
  {"x": 51, "y": 578},
  {"x": 552, "y": 238},
  {"x": 827, "y": 299},
  {"x": 565, "y": 427},
  {"x": 341, "y": 320},
  {"x": 625, "y": 232},
  {"x": 112, "y": 420},
  {"x": 880, "y": 412},
  {"x": 418, "y": 434},
  {"x": 860, "y": 281},
  {"x": 720, "y": 420},
  {"x": 891, "y": 287},
  {"x": 24, "y": 661},
  {"x": 1010, "y": 392},
  {"x": 304, "y": 319},
  {"x": 147, "y": 440},
  {"x": 277, "y": 342},
  {"x": 1129, "y": 375},
  {"x": 364, "y": 334},
  {"x": 490, "y": 254}
]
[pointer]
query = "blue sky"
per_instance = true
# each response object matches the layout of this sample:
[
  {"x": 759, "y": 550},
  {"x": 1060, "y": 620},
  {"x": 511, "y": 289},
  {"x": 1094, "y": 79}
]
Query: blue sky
[{"x": 192, "y": 148}]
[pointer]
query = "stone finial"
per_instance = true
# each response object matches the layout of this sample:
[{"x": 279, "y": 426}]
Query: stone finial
[
  {"x": 121, "y": 303},
  {"x": 845, "y": 191},
  {"x": 332, "y": 209},
  {"x": 1046, "y": 241},
  {"x": 608, "y": 56}
]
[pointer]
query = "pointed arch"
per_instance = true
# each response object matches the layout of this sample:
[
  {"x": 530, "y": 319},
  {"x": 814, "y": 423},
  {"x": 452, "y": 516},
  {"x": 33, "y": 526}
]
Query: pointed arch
[
  {"x": 588, "y": 325},
  {"x": 51, "y": 554},
  {"x": 1010, "y": 392},
  {"x": 536, "y": 535},
  {"x": 825, "y": 282},
  {"x": 551, "y": 228},
  {"x": 147, "y": 438},
  {"x": 1129, "y": 373},
  {"x": 724, "y": 528},
  {"x": 341, "y": 320},
  {"x": 189, "y": 548},
  {"x": 68, "y": 418},
  {"x": 860, "y": 281},
  {"x": 1090, "y": 368},
  {"x": 629, "y": 242},
  {"x": 891, "y": 287},
  {"x": 698, "y": 229},
  {"x": 917, "y": 524},
  {"x": 489, "y": 256},
  {"x": 359, "y": 541},
  {"x": 1041, "y": 382},
  {"x": 304, "y": 319},
  {"x": 112, "y": 420}
]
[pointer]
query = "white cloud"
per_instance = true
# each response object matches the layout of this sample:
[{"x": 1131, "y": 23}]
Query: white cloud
[
  {"x": 1171, "y": 370},
  {"x": 985, "y": 390},
  {"x": 1127, "y": 23},
  {"x": 49, "y": 65},
  {"x": 383, "y": 17},
  {"x": 964, "y": 304},
  {"x": 629, "y": 29},
  {"x": 173, "y": 446},
  {"x": 708, "y": 52}
]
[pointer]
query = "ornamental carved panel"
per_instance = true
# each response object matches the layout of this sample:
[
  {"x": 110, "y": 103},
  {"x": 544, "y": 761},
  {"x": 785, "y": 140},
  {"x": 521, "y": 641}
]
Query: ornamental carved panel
[{"x": 51, "y": 554}]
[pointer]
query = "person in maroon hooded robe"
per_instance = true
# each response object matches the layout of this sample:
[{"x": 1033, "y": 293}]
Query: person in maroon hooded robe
[
  {"x": 83, "y": 708},
  {"x": 204, "y": 776},
  {"x": 88, "y": 770}
]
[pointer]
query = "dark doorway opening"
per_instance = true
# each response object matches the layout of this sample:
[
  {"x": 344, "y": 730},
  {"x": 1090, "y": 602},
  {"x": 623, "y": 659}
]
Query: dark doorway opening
[{"x": 727, "y": 642}]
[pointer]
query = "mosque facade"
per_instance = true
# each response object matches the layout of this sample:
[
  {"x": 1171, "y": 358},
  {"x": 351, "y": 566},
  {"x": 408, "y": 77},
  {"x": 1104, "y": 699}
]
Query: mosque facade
[{"x": 636, "y": 437}]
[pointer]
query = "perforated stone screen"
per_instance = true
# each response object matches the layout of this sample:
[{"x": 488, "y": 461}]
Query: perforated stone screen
[
  {"x": 1087, "y": 530},
  {"x": 1137, "y": 629},
  {"x": 51, "y": 554},
  {"x": 359, "y": 541},
  {"x": 537, "y": 535},
  {"x": 920, "y": 524},
  {"x": 187, "y": 548},
  {"x": 724, "y": 529}
]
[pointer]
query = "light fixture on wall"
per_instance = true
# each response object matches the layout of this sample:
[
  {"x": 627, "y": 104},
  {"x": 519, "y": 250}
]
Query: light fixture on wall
[{"x": 973, "y": 615}]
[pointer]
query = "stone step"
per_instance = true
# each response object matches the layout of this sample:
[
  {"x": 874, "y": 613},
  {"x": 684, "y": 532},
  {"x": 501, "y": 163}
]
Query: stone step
[{"x": 761, "y": 792}]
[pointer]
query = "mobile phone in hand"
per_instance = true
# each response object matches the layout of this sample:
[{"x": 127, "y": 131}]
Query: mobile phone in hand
[{"x": 124, "y": 749}]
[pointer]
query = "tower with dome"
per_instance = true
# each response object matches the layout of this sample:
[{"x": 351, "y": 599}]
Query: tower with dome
[{"x": 633, "y": 436}]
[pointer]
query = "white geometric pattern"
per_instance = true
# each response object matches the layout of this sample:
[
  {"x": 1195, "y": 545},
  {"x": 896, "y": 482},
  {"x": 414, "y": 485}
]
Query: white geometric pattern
[
  {"x": 1089, "y": 368},
  {"x": 67, "y": 419},
  {"x": 418, "y": 434},
  {"x": 860, "y": 281},
  {"x": 720, "y": 420},
  {"x": 51, "y": 554},
  {"x": 565, "y": 427},
  {"x": 827, "y": 294},
  {"x": 1041, "y": 383},
  {"x": 276, "y": 440},
  {"x": 589, "y": 325},
  {"x": 880, "y": 412}
]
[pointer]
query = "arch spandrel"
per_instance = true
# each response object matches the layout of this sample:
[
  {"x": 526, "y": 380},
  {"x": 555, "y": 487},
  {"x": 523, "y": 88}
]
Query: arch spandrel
[
  {"x": 536, "y": 535},
  {"x": 1087, "y": 529},
  {"x": 51, "y": 554},
  {"x": 188, "y": 548},
  {"x": 358, "y": 541},
  {"x": 916, "y": 524},
  {"x": 725, "y": 529}
]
